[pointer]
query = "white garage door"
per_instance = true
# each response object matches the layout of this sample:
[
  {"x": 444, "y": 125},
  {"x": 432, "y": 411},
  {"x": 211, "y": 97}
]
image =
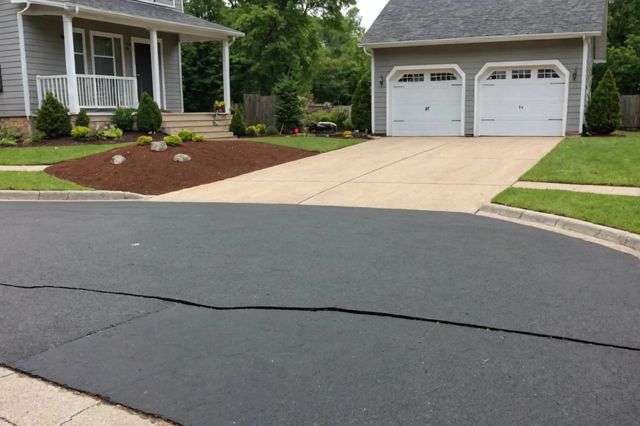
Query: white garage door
[
  {"x": 426, "y": 103},
  {"x": 521, "y": 101}
]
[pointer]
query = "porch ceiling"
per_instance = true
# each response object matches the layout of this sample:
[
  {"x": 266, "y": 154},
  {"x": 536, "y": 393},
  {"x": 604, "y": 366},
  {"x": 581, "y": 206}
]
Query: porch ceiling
[{"x": 136, "y": 14}]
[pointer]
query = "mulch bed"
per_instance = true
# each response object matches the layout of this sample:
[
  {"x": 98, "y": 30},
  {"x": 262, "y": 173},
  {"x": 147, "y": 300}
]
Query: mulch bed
[
  {"x": 154, "y": 173},
  {"x": 69, "y": 141}
]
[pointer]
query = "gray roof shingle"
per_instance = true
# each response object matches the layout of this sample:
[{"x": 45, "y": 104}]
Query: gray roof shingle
[{"x": 431, "y": 20}]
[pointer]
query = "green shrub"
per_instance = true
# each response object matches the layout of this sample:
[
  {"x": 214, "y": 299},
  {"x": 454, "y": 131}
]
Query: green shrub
[
  {"x": 111, "y": 133},
  {"x": 149, "y": 115},
  {"x": 252, "y": 131},
  {"x": 6, "y": 142},
  {"x": 288, "y": 107},
  {"x": 237, "y": 126},
  {"x": 36, "y": 136},
  {"x": 82, "y": 119},
  {"x": 361, "y": 105},
  {"x": 340, "y": 117},
  {"x": 198, "y": 138},
  {"x": 261, "y": 129},
  {"x": 144, "y": 140},
  {"x": 53, "y": 118},
  {"x": 11, "y": 133},
  {"x": 603, "y": 115},
  {"x": 271, "y": 131},
  {"x": 80, "y": 133},
  {"x": 348, "y": 125},
  {"x": 186, "y": 135},
  {"x": 124, "y": 118},
  {"x": 173, "y": 140}
]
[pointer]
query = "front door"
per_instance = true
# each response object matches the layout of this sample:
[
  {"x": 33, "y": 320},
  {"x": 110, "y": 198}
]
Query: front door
[{"x": 143, "y": 68}]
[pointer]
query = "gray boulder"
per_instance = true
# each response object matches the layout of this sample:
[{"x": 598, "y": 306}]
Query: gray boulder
[
  {"x": 181, "y": 158},
  {"x": 159, "y": 146},
  {"x": 118, "y": 159}
]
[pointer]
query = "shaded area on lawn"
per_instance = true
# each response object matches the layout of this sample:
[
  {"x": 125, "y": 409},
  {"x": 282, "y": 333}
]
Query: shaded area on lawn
[
  {"x": 43, "y": 155},
  {"x": 593, "y": 160},
  {"x": 621, "y": 212},
  {"x": 34, "y": 181},
  {"x": 154, "y": 173},
  {"x": 310, "y": 143}
]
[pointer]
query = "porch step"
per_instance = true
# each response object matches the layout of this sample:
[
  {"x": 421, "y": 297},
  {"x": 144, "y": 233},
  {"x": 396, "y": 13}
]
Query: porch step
[
  {"x": 201, "y": 129},
  {"x": 196, "y": 116},
  {"x": 191, "y": 125},
  {"x": 218, "y": 135}
]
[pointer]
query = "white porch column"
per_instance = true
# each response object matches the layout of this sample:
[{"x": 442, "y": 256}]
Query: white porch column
[
  {"x": 72, "y": 80},
  {"x": 226, "y": 76},
  {"x": 155, "y": 67}
]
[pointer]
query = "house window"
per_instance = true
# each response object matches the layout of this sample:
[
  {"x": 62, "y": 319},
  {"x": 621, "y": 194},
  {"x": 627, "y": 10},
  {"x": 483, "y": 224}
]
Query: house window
[
  {"x": 107, "y": 54},
  {"x": 79, "y": 50},
  {"x": 443, "y": 76},
  {"x": 547, "y": 73},
  {"x": 411, "y": 78},
  {"x": 498, "y": 75},
  {"x": 520, "y": 74}
]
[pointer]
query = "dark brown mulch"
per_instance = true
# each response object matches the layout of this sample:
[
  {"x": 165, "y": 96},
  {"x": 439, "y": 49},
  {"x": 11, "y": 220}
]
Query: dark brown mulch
[
  {"x": 69, "y": 141},
  {"x": 154, "y": 173}
]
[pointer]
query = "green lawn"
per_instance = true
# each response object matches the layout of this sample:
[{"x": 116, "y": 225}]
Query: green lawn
[
  {"x": 42, "y": 155},
  {"x": 593, "y": 160},
  {"x": 609, "y": 210},
  {"x": 35, "y": 181},
  {"x": 309, "y": 143}
]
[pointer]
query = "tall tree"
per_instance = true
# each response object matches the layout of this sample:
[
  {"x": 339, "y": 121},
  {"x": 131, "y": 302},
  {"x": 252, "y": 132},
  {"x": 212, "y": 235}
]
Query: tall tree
[{"x": 624, "y": 20}]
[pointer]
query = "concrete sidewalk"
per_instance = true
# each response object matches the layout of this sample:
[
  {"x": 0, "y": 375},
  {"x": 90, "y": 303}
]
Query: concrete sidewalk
[{"x": 439, "y": 174}]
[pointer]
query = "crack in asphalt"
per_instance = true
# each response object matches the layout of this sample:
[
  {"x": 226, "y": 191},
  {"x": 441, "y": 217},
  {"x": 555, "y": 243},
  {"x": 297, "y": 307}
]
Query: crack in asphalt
[{"x": 331, "y": 310}]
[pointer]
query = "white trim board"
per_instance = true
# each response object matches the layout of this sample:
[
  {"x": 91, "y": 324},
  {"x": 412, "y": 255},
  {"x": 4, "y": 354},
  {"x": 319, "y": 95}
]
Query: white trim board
[
  {"x": 140, "y": 40},
  {"x": 23, "y": 61},
  {"x": 396, "y": 69},
  {"x": 556, "y": 63},
  {"x": 583, "y": 83}
]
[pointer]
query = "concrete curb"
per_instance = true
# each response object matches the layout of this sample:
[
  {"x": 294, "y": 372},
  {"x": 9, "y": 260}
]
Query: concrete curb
[
  {"x": 628, "y": 240},
  {"x": 69, "y": 196}
]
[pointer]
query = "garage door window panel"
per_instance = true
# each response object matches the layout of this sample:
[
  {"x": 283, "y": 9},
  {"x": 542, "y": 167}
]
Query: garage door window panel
[
  {"x": 411, "y": 78},
  {"x": 497, "y": 75},
  {"x": 520, "y": 74},
  {"x": 443, "y": 76},
  {"x": 548, "y": 74}
]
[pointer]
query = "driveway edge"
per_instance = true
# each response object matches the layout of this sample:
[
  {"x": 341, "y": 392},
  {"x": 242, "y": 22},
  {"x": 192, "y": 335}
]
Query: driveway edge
[
  {"x": 69, "y": 196},
  {"x": 610, "y": 237}
]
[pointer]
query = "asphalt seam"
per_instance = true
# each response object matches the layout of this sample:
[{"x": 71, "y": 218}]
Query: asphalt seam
[{"x": 331, "y": 310}]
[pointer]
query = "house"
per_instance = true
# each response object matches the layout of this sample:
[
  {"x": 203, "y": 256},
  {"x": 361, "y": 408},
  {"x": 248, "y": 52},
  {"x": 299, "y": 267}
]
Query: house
[
  {"x": 484, "y": 67},
  {"x": 100, "y": 55}
]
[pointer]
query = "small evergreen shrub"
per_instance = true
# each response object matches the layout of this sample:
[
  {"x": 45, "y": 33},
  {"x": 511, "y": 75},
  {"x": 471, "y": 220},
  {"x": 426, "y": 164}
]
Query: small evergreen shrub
[
  {"x": 53, "y": 118},
  {"x": 124, "y": 118},
  {"x": 186, "y": 135},
  {"x": 288, "y": 107},
  {"x": 603, "y": 115},
  {"x": 173, "y": 140},
  {"x": 80, "y": 133},
  {"x": 144, "y": 140},
  {"x": 261, "y": 129},
  {"x": 252, "y": 131},
  {"x": 149, "y": 115},
  {"x": 237, "y": 126},
  {"x": 110, "y": 133},
  {"x": 6, "y": 142},
  {"x": 82, "y": 119},
  {"x": 198, "y": 138},
  {"x": 272, "y": 131},
  {"x": 361, "y": 106},
  {"x": 348, "y": 125}
]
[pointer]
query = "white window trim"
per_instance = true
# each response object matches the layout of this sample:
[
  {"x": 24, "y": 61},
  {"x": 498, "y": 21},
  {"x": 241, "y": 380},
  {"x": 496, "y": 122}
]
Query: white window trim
[
  {"x": 139, "y": 40},
  {"x": 93, "y": 51},
  {"x": 397, "y": 69},
  {"x": 554, "y": 63},
  {"x": 81, "y": 31},
  {"x": 173, "y": 3}
]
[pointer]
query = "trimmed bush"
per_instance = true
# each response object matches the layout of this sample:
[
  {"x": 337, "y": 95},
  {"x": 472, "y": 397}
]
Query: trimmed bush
[
  {"x": 288, "y": 108},
  {"x": 111, "y": 133},
  {"x": 198, "y": 138},
  {"x": 261, "y": 129},
  {"x": 6, "y": 142},
  {"x": 80, "y": 133},
  {"x": 82, "y": 119},
  {"x": 237, "y": 126},
  {"x": 124, "y": 118},
  {"x": 53, "y": 118},
  {"x": 271, "y": 131},
  {"x": 252, "y": 131},
  {"x": 173, "y": 140},
  {"x": 144, "y": 140},
  {"x": 361, "y": 106},
  {"x": 186, "y": 135},
  {"x": 603, "y": 115},
  {"x": 149, "y": 115}
]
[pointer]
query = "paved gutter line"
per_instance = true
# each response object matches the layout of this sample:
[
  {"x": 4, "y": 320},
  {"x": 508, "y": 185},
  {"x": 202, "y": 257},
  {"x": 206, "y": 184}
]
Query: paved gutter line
[
  {"x": 359, "y": 312},
  {"x": 593, "y": 189}
]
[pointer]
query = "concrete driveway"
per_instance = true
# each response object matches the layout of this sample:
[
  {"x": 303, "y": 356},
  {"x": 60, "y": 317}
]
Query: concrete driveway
[{"x": 439, "y": 174}]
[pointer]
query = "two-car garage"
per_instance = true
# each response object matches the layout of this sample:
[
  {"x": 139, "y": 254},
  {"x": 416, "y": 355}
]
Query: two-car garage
[{"x": 510, "y": 99}]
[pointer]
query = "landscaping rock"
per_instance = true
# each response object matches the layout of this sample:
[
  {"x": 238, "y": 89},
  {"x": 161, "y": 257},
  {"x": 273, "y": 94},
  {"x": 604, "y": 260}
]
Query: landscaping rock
[
  {"x": 159, "y": 146},
  {"x": 181, "y": 158},
  {"x": 118, "y": 159}
]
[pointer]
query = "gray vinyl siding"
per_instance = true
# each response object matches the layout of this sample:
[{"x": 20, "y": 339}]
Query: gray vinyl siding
[
  {"x": 12, "y": 97},
  {"x": 45, "y": 52},
  {"x": 471, "y": 58}
]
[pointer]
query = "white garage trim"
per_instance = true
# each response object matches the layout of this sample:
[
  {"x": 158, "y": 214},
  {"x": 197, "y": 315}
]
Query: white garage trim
[
  {"x": 395, "y": 70},
  {"x": 583, "y": 83},
  {"x": 555, "y": 63}
]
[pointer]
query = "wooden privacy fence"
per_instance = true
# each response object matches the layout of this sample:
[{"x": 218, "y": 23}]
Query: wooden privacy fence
[
  {"x": 258, "y": 109},
  {"x": 630, "y": 106}
]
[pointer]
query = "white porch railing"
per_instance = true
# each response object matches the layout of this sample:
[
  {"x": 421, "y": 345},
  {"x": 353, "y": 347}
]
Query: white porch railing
[{"x": 94, "y": 91}]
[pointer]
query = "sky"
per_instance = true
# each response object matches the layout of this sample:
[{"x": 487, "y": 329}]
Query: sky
[{"x": 370, "y": 10}]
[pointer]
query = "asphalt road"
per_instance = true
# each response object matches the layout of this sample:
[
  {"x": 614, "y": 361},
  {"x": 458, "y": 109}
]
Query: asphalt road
[{"x": 217, "y": 314}]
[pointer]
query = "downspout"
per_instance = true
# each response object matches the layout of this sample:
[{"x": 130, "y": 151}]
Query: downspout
[
  {"x": 23, "y": 62},
  {"x": 373, "y": 90}
]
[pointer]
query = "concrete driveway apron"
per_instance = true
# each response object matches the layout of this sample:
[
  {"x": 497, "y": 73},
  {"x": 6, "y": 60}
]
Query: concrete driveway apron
[{"x": 439, "y": 174}]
